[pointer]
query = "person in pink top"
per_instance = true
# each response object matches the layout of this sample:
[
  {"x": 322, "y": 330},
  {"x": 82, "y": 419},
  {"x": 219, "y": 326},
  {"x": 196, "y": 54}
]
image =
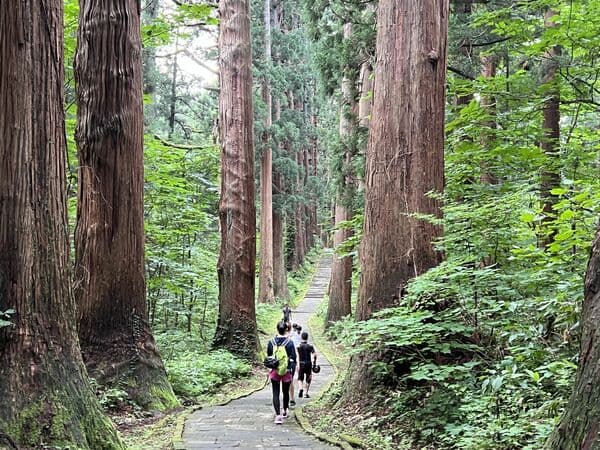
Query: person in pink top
[{"x": 281, "y": 383}]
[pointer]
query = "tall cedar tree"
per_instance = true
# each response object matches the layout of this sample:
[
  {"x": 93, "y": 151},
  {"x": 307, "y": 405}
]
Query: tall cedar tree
[
  {"x": 340, "y": 285},
  {"x": 265, "y": 280},
  {"x": 236, "y": 328},
  {"x": 46, "y": 398},
  {"x": 405, "y": 154},
  {"x": 579, "y": 427},
  {"x": 110, "y": 288},
  {"x": 280, "y": 284}
]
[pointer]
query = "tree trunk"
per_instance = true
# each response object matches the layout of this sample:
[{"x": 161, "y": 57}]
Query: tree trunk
[
  {"x": 464, "y": 9},
  {"x": 579, "y": 426},
  {"x": 550, "y": 177},
  {"x": 265, "y": 279},
  {"x": 280, "y": 284},
  {"x": 488, "y": 103},
  {"x": 365, "y": 102},
  {"x": 299, "y": 247},
  {"x": 150, "y": 72},
  {"x": 340, "y": 284},
  {"x": 47, "y": 400},
  {"x": 173, "y": 100},
  {"x": 236, "y": 327},
  {"x": 110, "y": 289},
  {"x": 405, "y": 158}
]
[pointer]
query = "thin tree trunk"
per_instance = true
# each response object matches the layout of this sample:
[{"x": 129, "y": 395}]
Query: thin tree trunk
[
  {"x": 280, "y": 284},
  {"x": 550, "y": 177},
  {"x": 464, "y": 9},
  {"x": 173, "y": 100},
  {"x": 150, "y": 13},
  {"x": 265, "y": 279},
  {"x": 110, "y": 289},
  {"x": 340, "y": 284},
  {"x": 488, "y": 103},
  {"x": 47, "y": 401},
  {"x": 365, "y": 102},
  {"x": 236, "y": 327},
  {"x": 299, "y": 247}
]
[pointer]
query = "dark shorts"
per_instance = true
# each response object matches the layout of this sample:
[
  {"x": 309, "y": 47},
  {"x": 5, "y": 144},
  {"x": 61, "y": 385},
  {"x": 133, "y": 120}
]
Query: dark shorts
[{"x": 305, "y": 369}]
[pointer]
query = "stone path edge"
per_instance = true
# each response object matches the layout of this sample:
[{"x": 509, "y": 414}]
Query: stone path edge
[{"x": 303, "y": 421}]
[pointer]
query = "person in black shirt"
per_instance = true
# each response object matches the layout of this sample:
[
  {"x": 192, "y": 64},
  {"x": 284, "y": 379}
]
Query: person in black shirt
[{"x": 306, "y": 352}]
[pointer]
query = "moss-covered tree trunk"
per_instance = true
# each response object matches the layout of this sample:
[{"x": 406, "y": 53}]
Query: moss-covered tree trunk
[
  {"x": 110, "y": 288},
  {"x": 236, "y": 327},
  {"x": 45, "y": 398},
  {"x": 579, "y": 426},
  {"x": 405, "y": 158}
]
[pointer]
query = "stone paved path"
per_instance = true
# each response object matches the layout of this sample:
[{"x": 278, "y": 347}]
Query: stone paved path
[{"x": 247, "y": 423}]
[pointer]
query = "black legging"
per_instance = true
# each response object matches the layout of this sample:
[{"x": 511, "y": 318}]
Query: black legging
[{"x": 286, "y": 396}]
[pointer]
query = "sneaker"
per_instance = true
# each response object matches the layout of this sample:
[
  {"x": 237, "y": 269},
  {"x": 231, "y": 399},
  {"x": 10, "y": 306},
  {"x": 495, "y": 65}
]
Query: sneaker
[
  {"x": 300, "y": 393},
  {"x": 285, "y": 414},
  {"x": 292, "y": 403},
  {"x": 278, "y": 420},
  {"x": 307, "y": 396}
]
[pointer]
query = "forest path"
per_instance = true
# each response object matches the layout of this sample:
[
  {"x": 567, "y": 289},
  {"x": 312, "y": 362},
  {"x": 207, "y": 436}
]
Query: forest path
[{"x": 248, "y": 422}]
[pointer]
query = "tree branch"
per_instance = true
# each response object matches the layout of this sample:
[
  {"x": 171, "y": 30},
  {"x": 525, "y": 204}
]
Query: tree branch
[
  {"x": 461, "y": 73},
  {"x": 181, "y": 146}
]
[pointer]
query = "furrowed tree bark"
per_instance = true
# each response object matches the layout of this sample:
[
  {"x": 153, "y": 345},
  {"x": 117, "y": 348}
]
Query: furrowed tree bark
[
  {"x": 405, "y": 158},
  {"x": 110, "y": 288},
  {"x": 265, "y": 279},
  {"x": 236, "y": 326},
  {"x": 47, "y": 401},
  {"x": 340, "y": 284},
  {"x": 579, "y": 426},
  {"x": 550, "y": 176}
]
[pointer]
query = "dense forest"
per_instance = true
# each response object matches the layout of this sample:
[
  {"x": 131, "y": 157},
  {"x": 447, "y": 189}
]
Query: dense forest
[{"x": 172, "y": 172}]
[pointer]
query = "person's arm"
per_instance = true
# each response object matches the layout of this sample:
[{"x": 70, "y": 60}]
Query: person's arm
[
  {"x": 314, "y": 352},
  {"x": 270, "y": 349},
  {"x": 291, "y": 350}
]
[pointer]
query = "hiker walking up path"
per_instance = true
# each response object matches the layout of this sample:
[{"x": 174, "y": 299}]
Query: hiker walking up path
[{"x": 248, "y": 422}]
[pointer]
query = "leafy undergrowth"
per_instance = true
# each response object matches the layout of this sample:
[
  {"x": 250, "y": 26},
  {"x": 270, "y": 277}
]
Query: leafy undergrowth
[{"x": 439, "y": 382}]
